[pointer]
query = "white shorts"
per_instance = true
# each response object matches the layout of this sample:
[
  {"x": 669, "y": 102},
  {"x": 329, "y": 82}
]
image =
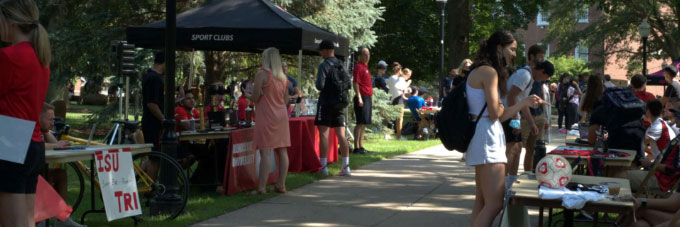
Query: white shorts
[{"x": 487, "y": 145}]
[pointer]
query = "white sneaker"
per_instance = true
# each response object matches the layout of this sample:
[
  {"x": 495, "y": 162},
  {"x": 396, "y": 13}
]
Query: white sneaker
[
  {"x": 345, "y": 172},
  {"x": 324, "y": 170}
]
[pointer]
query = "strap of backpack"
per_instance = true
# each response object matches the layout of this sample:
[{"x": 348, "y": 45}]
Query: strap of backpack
[{"x": 480, "y": 113}]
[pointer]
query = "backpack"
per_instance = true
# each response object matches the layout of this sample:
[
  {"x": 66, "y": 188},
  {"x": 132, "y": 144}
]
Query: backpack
[
  {"x": 624, "y": 103},
  {"x": 563, "y": 101},
  {"x": 453, "y": 121},
  {"x": 336, "y": 87}
]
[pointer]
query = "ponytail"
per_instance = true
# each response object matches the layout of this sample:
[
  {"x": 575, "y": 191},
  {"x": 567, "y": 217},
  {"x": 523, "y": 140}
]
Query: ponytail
[
  {"x": 25, "y": 14},
  {"x": 41, "y": 45}
]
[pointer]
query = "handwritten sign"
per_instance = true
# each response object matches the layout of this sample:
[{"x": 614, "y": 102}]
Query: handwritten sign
[{"x": 117, "y": 183}]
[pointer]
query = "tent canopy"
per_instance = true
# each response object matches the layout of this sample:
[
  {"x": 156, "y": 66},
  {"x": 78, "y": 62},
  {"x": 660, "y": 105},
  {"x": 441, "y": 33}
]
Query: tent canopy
[
  {"x": 239, "y": 25},
  {"x": 658, "y": 78}
]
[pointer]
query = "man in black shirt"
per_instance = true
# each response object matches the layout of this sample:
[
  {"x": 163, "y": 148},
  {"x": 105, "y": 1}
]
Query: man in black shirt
[
  {"x": 328, "y": 116},
  {"x": 379, "y": 79},
  {"x": 625, "y": 130},
  {"x": 152, "y": 118},
  {"x": 152, "y": 93}
]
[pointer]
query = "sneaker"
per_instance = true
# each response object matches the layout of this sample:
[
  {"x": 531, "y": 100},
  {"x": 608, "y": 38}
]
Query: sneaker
[
  {"x": 344, "y": 172},
  {"x": 361, "y": 151},
  {"x": 563, "y": 131},
  {"x": 354, "y": 151},
  {"x": 324, "y": 170}
]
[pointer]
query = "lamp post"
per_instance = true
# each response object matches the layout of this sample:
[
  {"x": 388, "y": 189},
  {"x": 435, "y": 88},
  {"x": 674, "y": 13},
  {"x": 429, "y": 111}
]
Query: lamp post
[
  {"x": 442, "y": 5},
  {"x": 644, "y": 29},
  {"x": 169, "y": 201}
]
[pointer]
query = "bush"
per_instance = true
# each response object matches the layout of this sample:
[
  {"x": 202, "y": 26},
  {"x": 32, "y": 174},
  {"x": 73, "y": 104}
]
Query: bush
[{"x": 383, "y": 112}]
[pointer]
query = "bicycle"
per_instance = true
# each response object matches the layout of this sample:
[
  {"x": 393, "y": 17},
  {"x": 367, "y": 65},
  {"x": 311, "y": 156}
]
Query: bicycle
[{"x": 147, "y": 186}]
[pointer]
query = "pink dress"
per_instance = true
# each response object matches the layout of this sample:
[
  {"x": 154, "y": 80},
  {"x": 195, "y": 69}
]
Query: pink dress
[{"x": 271, "y": 124}]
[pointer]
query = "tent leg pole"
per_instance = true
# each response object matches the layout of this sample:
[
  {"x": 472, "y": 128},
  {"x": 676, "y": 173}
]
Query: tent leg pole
[{"x": 297, "y": 111}]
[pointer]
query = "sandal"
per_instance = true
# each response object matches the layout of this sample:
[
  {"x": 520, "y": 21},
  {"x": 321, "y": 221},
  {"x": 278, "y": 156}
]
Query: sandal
[
  {"x": 281, "y": 190},
  {"x": 257, "y": 192}
]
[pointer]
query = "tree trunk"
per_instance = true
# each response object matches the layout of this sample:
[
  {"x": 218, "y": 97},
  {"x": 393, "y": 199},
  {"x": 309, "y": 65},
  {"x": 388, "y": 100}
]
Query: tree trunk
[
  {"x": 215, "y": 66},
  {"x": 458, "y": 31}
]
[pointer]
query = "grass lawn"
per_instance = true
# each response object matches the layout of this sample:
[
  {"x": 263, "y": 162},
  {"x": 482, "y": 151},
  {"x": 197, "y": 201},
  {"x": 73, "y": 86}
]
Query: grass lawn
[{"x": 204, "y": 205}]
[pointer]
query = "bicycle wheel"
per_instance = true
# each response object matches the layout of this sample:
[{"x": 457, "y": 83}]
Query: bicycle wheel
[
  {"x": 147, "y": 172},
  {"x": 76, "y": 188}
]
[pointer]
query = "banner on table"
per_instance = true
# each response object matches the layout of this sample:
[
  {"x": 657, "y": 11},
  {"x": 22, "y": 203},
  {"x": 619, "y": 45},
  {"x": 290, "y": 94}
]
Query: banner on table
[
  {"x": 117, "y": 183},
  {"x": 242, "y": 168}
]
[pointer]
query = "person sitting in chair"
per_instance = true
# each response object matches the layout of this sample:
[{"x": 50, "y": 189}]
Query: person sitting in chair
[{"x": 415, "y": 103}]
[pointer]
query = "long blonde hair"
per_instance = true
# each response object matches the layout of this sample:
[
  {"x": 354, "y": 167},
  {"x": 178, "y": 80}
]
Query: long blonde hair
[
  {"x": 271, "y": 60},
  {"x": 25, "y": 14},
  {"x": 406, "y": 71},
  {"x": 460, "y": 68}
]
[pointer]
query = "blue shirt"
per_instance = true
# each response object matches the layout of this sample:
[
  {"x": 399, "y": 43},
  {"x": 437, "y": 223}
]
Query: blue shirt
[
  {"x": 415, "y": 103},
  {"x": 291, "y": 86}
]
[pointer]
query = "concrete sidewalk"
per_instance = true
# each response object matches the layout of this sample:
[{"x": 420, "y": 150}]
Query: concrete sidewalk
[{"x": 431, "y": 187}]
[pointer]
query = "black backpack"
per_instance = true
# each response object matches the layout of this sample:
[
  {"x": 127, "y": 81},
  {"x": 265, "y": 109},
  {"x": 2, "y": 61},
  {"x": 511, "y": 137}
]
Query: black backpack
[
  {"x": 563, "y": 101},
  {"x": 336, "y": 87},
  {"x": 453, "y": 120}
]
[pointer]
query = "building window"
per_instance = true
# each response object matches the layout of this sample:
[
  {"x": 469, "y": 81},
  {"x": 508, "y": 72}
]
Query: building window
[
  {"x": 582, "y": 15},
  {"x": 542, "y": 18},
  {"x": 581, "y": 52}
]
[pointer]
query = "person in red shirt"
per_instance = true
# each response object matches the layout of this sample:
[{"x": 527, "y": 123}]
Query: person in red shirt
[
  {"x": 185, "y": 113},
  {"x": 243, "y": 102},
  {"x": 24, "y": 78},
  {"x": 363, "y": 102},
  {"x": 639, "y": 85}
]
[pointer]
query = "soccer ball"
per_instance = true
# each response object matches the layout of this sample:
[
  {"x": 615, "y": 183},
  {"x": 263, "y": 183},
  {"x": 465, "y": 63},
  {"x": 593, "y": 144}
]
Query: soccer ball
[{"x": 553, "y": 171}]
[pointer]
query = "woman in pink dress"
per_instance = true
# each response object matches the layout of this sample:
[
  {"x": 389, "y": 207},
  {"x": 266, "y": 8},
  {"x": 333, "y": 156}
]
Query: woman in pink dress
[{"x": 271, "y": 126}]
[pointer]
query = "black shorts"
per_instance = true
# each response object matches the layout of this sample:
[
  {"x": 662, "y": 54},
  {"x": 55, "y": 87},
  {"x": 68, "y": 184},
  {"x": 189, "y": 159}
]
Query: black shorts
[
  {"x": 363, "y": 114},
  {"x": 23, "y": 178},
  {"x": 330, "y": 117},
  {"x": 509, "y": 137},
  {"x": 152, "y": 133}
]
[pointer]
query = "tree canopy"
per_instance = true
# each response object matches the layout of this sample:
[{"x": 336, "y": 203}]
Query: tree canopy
[{"x": 617, "y": 25}]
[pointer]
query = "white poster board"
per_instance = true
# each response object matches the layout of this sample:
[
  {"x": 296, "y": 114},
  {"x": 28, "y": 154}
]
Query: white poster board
[
  {"x": 15, "y": 137},
  {"x": 117, "y": 183}
]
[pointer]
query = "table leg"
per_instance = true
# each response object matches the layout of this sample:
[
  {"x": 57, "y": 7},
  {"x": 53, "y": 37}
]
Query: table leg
[
  {"x": 595, "y": 219},
  {"x": 540, "y": 216},
  {"x": 550, "y": 217},
  {"x": 568, "y": 218}
]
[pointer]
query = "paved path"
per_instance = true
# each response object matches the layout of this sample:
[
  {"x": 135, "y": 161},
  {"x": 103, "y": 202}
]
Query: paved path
[{"x": 431, "y": 187}]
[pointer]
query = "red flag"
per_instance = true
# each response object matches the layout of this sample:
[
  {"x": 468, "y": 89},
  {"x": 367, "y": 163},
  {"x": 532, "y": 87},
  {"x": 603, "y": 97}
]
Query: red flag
[{"x": 48, "y": 203}]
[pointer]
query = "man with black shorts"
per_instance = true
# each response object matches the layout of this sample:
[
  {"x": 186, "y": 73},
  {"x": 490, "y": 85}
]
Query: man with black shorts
[
  {"x": 327, "y": 116},
  {"x": 363, "y": 103},
  {"x": 152, "y": 118},
  {"x": 519, "y": 86}
]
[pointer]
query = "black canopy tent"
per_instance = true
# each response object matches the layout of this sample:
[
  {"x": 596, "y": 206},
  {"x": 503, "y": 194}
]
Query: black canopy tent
[{"x": 239, "y": 25}]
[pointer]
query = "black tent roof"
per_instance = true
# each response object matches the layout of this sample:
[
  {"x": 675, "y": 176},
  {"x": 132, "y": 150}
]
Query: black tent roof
[{"x": 239, "y": 25}]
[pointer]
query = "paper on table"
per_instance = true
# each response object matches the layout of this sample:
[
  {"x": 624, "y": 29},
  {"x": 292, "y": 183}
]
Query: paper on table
[{"x": 15, "y": 136}]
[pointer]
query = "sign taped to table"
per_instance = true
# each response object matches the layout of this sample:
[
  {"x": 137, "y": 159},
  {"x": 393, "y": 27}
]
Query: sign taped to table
[
  {"x": 117, "y": 182},
  {"x": 243, "y": 162}
]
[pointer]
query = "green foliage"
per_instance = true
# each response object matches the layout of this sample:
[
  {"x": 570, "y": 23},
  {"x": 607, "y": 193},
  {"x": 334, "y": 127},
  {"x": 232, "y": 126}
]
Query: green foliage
[
  {"x": 350, "y": 18},
  {"x": 384, "y": 112},
  {"x": 567, "y": 64},
  {"x": 617, "y": 26}
]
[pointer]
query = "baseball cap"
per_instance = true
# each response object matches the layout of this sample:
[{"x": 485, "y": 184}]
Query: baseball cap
[
  {"x": 548, "y": 67},
  {"x": 382, "y": 64},
  {"x": 326, "y": 44},
  {"x": 671, "y": 68}
]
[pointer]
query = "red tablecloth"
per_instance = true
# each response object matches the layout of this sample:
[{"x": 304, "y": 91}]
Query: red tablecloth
[{"x": 303, "y": 154}]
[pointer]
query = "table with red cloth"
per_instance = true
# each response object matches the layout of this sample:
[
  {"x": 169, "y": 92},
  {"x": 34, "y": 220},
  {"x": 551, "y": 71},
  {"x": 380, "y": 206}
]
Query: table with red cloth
[
  {"x": 303, "y": 154},
  {"x": 614, "y": 157}
]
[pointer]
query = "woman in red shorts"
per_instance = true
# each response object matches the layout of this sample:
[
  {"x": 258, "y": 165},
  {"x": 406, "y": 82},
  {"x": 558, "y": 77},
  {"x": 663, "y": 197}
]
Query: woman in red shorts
[{"x": 24, "y": 78}]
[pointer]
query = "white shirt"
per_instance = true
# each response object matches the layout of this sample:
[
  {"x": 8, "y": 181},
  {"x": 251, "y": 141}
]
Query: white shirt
[
  {"x": 522, "y": 80},
  {"x": 397, "y": 85},
  {"x": 609, "y": 84},
  {"x": 654, "y": 132}
]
